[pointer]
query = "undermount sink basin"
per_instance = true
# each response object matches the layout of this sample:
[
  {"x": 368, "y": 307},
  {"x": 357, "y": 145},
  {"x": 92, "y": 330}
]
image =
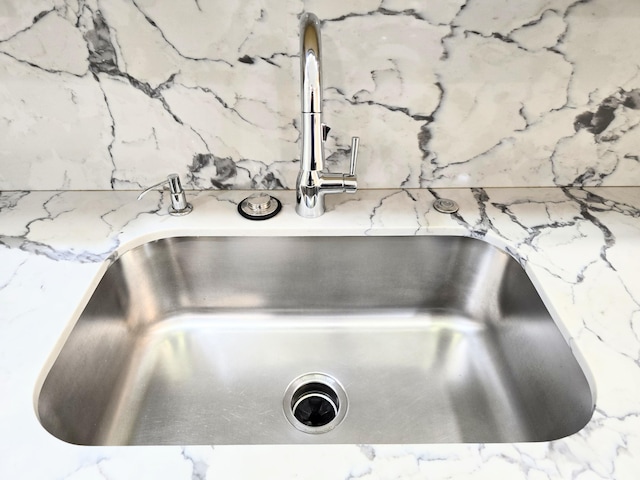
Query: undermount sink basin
[{"x": 277, "y": 340}]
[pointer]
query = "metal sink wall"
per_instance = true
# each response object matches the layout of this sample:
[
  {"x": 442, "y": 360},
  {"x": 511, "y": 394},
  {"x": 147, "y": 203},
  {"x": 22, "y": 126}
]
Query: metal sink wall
[{"x": 195, "y": 340}]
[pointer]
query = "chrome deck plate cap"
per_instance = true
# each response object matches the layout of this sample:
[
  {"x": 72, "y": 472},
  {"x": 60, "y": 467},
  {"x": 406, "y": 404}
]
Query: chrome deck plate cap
[
  {"x": 259, "y": 206},
  {"x": 444, "y": 205}
]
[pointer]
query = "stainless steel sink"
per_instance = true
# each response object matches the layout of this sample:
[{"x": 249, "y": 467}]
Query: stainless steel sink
[{"x": 369, "y": 339}]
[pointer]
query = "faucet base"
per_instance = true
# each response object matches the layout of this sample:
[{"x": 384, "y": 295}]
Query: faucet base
[{"x": 310, "y": 198}]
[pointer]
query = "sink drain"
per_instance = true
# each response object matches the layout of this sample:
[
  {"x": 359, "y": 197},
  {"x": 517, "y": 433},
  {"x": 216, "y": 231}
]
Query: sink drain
[{"x": 315, "y": 403}]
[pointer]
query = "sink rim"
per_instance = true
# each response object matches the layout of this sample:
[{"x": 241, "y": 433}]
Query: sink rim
[{"x": 141, "y": 241}]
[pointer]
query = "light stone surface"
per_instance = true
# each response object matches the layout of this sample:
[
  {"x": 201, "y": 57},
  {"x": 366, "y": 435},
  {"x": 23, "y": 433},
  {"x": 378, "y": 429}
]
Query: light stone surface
[
  {"x": 579, "y": 247},
  {"x": 446, "y": 93}
]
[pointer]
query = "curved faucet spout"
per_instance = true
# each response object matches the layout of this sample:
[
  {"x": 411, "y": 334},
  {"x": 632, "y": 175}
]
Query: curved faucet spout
[
  {"x": 310, "y": 64},
  {"x": 312, "y": 183}
]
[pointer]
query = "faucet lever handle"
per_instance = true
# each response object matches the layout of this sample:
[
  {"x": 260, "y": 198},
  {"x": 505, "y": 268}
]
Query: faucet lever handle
[{"x": 355, "y": 142}]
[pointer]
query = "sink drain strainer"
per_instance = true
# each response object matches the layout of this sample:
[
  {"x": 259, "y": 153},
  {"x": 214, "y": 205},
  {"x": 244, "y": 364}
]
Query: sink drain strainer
[{"x": 315, "y": 403}]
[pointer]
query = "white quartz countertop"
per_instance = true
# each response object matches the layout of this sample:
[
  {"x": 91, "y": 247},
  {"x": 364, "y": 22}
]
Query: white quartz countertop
[{"x": 580, "y": 247}]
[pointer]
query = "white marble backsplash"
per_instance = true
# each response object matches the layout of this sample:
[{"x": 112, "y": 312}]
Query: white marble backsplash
[{"x": 116, "y": 94}]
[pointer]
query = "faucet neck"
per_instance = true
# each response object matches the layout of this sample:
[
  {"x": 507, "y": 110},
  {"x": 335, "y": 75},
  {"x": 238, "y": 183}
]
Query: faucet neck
[
  {"x": 310, "y": 65},
  {"x": 312, "y": 152}
]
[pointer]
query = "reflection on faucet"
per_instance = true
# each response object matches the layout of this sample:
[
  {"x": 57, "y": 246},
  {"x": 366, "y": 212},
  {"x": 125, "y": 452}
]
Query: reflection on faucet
[{"x": 313, "y": 184}]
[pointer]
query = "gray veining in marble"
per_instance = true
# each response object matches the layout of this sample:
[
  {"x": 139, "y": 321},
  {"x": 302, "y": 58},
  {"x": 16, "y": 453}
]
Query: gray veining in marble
[
  {"x": 447, "y": 93},
  {"x": 577, "y": 244}
]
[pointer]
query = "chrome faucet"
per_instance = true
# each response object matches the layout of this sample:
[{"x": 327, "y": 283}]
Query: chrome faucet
[{"x": 313, "y": 184}]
